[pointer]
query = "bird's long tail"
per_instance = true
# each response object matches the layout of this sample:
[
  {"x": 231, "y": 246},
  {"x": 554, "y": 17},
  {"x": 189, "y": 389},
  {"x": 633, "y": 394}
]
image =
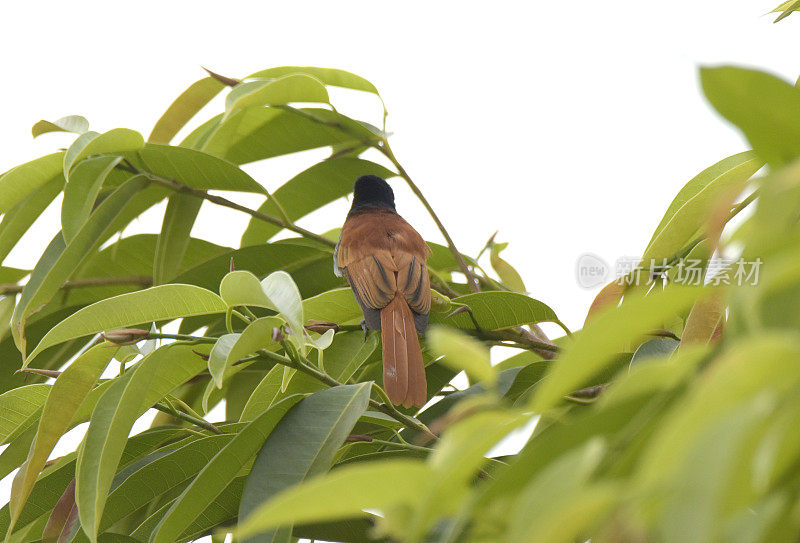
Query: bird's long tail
[{"x": 403, "y": 369}]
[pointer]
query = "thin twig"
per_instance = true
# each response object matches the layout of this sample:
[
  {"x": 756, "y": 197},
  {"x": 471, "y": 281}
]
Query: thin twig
[
  {"x": 84, "y": 282},
  {"x": 202, "y": 423}
]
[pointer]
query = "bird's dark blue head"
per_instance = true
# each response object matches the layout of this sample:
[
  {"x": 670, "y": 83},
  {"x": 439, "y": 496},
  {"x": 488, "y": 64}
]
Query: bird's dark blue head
[{"x": 372, "y": 191}]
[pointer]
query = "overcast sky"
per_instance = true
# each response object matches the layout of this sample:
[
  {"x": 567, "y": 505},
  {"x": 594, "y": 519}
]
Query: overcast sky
[{"x": 568, "y": 127}]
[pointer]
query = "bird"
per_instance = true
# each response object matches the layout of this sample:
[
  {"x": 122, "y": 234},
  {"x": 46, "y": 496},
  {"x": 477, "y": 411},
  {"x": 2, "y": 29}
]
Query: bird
[{"x": 384, "y": 260}]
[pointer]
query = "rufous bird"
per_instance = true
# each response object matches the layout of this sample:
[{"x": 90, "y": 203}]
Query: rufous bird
[{"x": 384, "y": 260}]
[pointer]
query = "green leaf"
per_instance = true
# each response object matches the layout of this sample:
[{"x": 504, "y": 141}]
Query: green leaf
[
  {"x": 217, "y": 359},
  {"x": 689, "y": 212},
  {"x": 71, "y": 123},
  {"x": 117, "y": 140},
  {"x": 329, "y": 76},
  {"x": 17, "y": 220},
  {"x": 654, "y": 349},
  {"x": 19, "y": 408},
  {"x": 16, "y": 452},
  {"x": 173, "y": 241},
  {"x": 381, "y": 485},
  {"x": 196, "y": 169},
  {"x": 241, "y": 287},
  {"x": 309, "y": 190},
  {"x": 303, "y": 445},
  {"x": 60, "y": 261},
  {"x": 461, "y": 352},
  {"x": 153, "y": 304},
  {"x": 764, "y": 107},
  {"x": 787, "y": 8},
  {"x": 63, "y": 401},
  {"x": 257, "y": 133},
  {"x": 81, "y": 191},
  {"x": 495, "y": 310},
  {"x": 282, "y": 291},
  {"x": 184, "y": 108},
  {"x": 118, "y": 408},
  {"x": 509, "y": 276},
  {"x": 218, "y": 473},
  {"x": 257, "y": 335},
  {"x": 20, "y": 182},
  {"x": 597, "y": 344},
  {"x": 276, "y": 92},
  {"x": 159, "y": 476},
  {"x": 338, "y": 305}
]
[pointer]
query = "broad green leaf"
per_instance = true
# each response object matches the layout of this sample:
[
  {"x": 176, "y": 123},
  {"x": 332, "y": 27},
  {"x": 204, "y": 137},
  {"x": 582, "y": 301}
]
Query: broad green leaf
[
  {"x": 276, "y": 92},
  {"x": 17, "y": 220},
  {"x": 66, "y": 396},
  {"x": 70, "y": 123},
  {"x": 184, "y": 108},
  {"x": 689, "y": 211},
  {"x": 18, "y": 183},
  {"x": 303, "y": 445},
  {"x": 14, "y": 455},
  {"x": 329, "y": 76},
  {"x": 218, "y": 473},
  {"x": 118, "y": 408},
  {"x": 461, "y": 352},
  {"x": 381, "y": 485},
  {"x": 173, "y": 241},
  {"x": 703, "y": 320},
  {"x": 509, "y": 276},
  {"x": 495, "y": 310},
  {"x": 19, "y": 408},
  {"x": 595, "y": 346},
  {"x": 81, "y": 191},
  {"x": 764, "y": 107},
  {"x": 257, "y": 335},
  {"x": 153, "y": 304},
  {"x": 282, "y": 291},
  {"x": 337, "y": 306},
  {"x": 241, "y": 287},
  {"x": 257, "y": 133},
  {"x": 159, "y": 476},
  {"x": 196, "y": 169},
  {"x": 117, "y": 140},
  {"x": 309, "y": 190},
  {"x": 61, "y": 260}
]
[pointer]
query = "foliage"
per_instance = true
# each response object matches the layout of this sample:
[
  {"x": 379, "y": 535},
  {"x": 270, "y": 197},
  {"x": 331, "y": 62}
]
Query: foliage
[{"x": 688, "y": 436}]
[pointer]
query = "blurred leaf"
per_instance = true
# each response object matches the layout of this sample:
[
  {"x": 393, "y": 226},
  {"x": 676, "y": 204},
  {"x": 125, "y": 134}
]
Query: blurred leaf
[
  {"x": 381, "y": 485},
  {"x": 609, "y": 296},
  {"x": 505, "y": 271},
  {"x": 60, "y": 260},
  {"x": 302, "y": 445},
  {"x": 309, "y": 190},
  {"x": 654, "y": 348},
  {"x": 71, "y": 123},
  {"x": 689, "y": 211},
  {"x": 184, "y": 108},
  {"x": 764, "y": 107},
  {"x": 117, "y": 409},
  {"x": 595, "y": 345},
  {"x": 495, "y": 310},
  {"x": 275, "y": 92},
  {"x": 65, "y": 397},
  {"x": 117, "y": 140},
  {"x": 258, "y": 133},
  {"x": 20, "y": 407},
  {"x": 218, "y": 473},
  {"x": 704, "y": 319},
  {"x": 20, "y": 182},
  {"x": 81, "y": 192},
  {"x": 787, "y": 8},
  {"x": 461, "y": 352},
  {"x": 241, "y": 287}
]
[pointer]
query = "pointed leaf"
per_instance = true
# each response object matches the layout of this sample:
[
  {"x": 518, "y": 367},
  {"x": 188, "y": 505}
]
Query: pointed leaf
[
  {"x": 276, "y": 92},
  {"x": 461, "y": 352},
  {"x": 18, "y": 183},
  {"x": 19, "y": 408},
  {"x": 115, "y": 141},
  {"x": 81, "y": 191},
  {"x": 71, "y": 123},
  {"x": 184, "y": 108},
  {"x": 241, "y": 287}
]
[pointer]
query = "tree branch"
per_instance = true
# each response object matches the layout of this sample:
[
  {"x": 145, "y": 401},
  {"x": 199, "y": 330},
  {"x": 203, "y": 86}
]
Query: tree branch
[{"x": 140, "y": 280}]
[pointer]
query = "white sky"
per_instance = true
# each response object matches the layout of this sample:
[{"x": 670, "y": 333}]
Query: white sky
[{"x": 568, "y": 127}]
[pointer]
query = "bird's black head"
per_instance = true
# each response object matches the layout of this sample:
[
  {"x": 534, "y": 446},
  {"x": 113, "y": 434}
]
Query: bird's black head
[{"x": 372, "y": 191}]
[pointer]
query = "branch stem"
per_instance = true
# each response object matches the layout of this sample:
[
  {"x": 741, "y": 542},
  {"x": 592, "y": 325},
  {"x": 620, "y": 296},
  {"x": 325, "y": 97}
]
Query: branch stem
[
  {"x": 202, "y": 423},
  {"x": 85, "y": 282}
]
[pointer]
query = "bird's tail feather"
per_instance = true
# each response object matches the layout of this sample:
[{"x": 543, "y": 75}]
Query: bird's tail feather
[{"x": 403, "y": 368}]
